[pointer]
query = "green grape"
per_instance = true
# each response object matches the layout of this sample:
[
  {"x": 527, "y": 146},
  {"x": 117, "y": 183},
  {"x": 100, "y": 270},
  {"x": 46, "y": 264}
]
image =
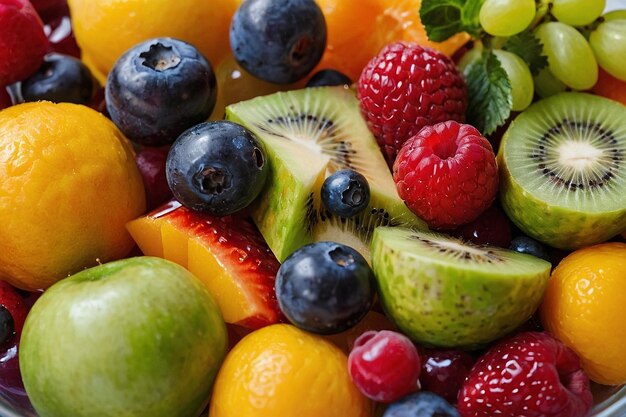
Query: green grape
[
  {"x": 546, "y": 84},
  {"x": 608, "y": 42},
  {"x": 522, "y": 89},
  {"x": 570, "y": 57},
  {"x": 506, "y": 17},
  {"x": 614, "y": 15},
  {"x": 577, "y": 12},
  {"x": 469, "y": 58}
]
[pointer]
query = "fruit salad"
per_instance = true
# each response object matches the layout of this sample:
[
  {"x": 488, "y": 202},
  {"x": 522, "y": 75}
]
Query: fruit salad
[{"x": 312, "y": 208}]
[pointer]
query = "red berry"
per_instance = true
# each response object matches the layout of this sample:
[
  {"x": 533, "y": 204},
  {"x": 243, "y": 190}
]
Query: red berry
[
  {"x": 531, "y": 375},
  {"x": 50, "y": 9},
  {"x": 490, "y": 228},
  {"x": 384, "y": 366},
  {"x": 443, "y": 372},
  {"x": 61, "y": 37},
  {"x": 14, "y": 303},
  {"x": 151, "y": 164},
  {"x": 23, "y": 42},
  {"x": 447, "y": 174},
  {"x": 406, "y": 87}
]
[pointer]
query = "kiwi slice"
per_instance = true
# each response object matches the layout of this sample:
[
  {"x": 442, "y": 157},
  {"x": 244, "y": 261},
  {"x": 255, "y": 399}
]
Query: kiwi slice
[
  {"x": 444, "y": 292},
  {"x": 309, "y": 134},
  {"x": 563, "y": 170}
]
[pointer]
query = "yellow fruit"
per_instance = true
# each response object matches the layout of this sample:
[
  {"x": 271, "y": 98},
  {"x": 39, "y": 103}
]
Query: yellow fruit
[
  {"x": 584, "y": 307},
  {"x": 69, "y": 185},
  {"x": 105, "y": 29},
  {"x": 280, "y": 370},
  {"x": 358, "y": 29}
]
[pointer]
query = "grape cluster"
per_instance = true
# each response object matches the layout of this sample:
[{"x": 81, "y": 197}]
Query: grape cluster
[{"x": 576, "y": 38}]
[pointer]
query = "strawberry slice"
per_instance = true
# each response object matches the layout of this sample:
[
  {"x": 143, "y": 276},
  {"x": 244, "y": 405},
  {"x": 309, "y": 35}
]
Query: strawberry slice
[{"x": 228, "y": 254}]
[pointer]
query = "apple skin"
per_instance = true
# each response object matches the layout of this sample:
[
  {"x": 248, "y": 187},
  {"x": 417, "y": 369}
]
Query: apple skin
[{"x": 135, "y": 337}]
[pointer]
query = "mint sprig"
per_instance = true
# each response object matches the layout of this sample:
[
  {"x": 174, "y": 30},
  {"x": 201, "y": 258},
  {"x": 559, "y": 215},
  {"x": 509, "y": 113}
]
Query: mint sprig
[
  {"x": 445, "y": 18},
  {"x": 528, "y": 47},
  {"x": 489, "y": 94}
]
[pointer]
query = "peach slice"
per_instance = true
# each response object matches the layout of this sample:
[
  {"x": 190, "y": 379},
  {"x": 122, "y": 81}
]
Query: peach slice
[{"x": 228, "y": 254}]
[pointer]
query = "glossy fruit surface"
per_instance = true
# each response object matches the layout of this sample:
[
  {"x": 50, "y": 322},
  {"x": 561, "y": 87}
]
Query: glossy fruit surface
[
  {"x": 406, "y": 87},
  {"x": 151, "y": 164},
  {"x": 373, "y": 24},
  {"x": 105, "y": 29},
  {"x": 143, "y": 319},
  {"x": 61, "y": 78},
  {"x": 608, "y": 42},
  {"x": 525, "y": 244},
  {"x": 228, "y": 254},
  {"x": 158, "y": 89},
  {"x": 522, "y": 86},
  {"x": 492, "y": 227},
  {"x": 97, "y": 189},
  {"x": 443, "y": 372},
  {"x": 570, "y": 58},
  {"x": 385, "y": 365},
  {"x": 216, "y": 167},
  {"x": 345, "y": 193},
  {"x": 445, "y": 160},
  {"x": 577, "y": 12},
  {"x": 328, "y": 77},
  {"x": 531, "y": 374},
  {"x": 582, "y": 306},
  {"x": 506, "y": 17},
  {"x": 283, "y": 371},
  {"x": 23, "y": 42},
  {"x": 422, "y": 404},
  {"x": 325, "y": 287},
  {"x": 279, "y": 42}
]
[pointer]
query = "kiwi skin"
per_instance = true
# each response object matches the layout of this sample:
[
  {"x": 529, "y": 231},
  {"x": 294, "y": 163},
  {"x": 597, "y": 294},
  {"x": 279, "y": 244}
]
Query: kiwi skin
[
  {"x": 557, "y": 226},
  {"x": 442, "y": 304}
]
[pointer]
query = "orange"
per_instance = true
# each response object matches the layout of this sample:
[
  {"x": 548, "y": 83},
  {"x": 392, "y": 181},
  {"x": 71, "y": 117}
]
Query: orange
[
  {"x": 610, "y": 87},
  {"x": 358, "y": 29},
  {"x": 584, "y": 307},
  {"x": 105, "y": 29},
  {"x": 69, "y": 185},
  {"x": 283, "y": 371}
]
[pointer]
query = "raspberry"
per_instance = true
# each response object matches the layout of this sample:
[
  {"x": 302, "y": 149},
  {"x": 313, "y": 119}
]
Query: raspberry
[
  {"x": 406, "y": 87},
  {"x": 447, "y": 174},
  {"x": 23, "y": 42},
  {"x": 384, "y": 366},
  {"x": 530, "y": 375}
]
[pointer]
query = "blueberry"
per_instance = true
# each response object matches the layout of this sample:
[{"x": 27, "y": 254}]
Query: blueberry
[
  {"x": 61, "y": 79},
  {"x": 325, "y": 287},
  {"x": 328, "y": 77},
  {"x": 278, "y": 41},
  {"x": 7, "y": 326},
  {"x": 158, "y": 89},
  {"x": 346, "y": 193},
  {"x": 421, "y": 404},
  {"x": 524, "y": 244},
  {"x": 216, "y": 167}
]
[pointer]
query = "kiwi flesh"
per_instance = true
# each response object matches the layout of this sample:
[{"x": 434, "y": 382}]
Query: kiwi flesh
[
  {"x": 309, "y": 134},
  {"x": 563, "y": 170},
  {"x": 444, "y": 292}
]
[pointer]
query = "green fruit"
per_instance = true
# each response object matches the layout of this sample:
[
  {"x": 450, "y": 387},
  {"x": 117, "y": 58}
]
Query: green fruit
[
  {"x": 562, "y": 170},
  {"x": 308, "y": 135},
  {"x": 136, "y": 337},
  {"x": 443, "y": 292}
]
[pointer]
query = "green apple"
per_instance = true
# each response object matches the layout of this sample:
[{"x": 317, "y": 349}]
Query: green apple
[{"x": 136, "y": 337}]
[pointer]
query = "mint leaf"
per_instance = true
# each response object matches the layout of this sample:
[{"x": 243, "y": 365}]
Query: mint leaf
[
  {"x": 529, "y": 48},
  {"x": 445, "y": 18},
  {"x": 489, "y": 93}
]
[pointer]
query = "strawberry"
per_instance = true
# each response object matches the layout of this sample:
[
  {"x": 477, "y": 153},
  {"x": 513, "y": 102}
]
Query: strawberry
[
  {"x": 406, "y": 87},
  {"x": 23, "y": 42},
  {"x": 528, "y": 375},
  {"x": 447, "y": 174}
]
